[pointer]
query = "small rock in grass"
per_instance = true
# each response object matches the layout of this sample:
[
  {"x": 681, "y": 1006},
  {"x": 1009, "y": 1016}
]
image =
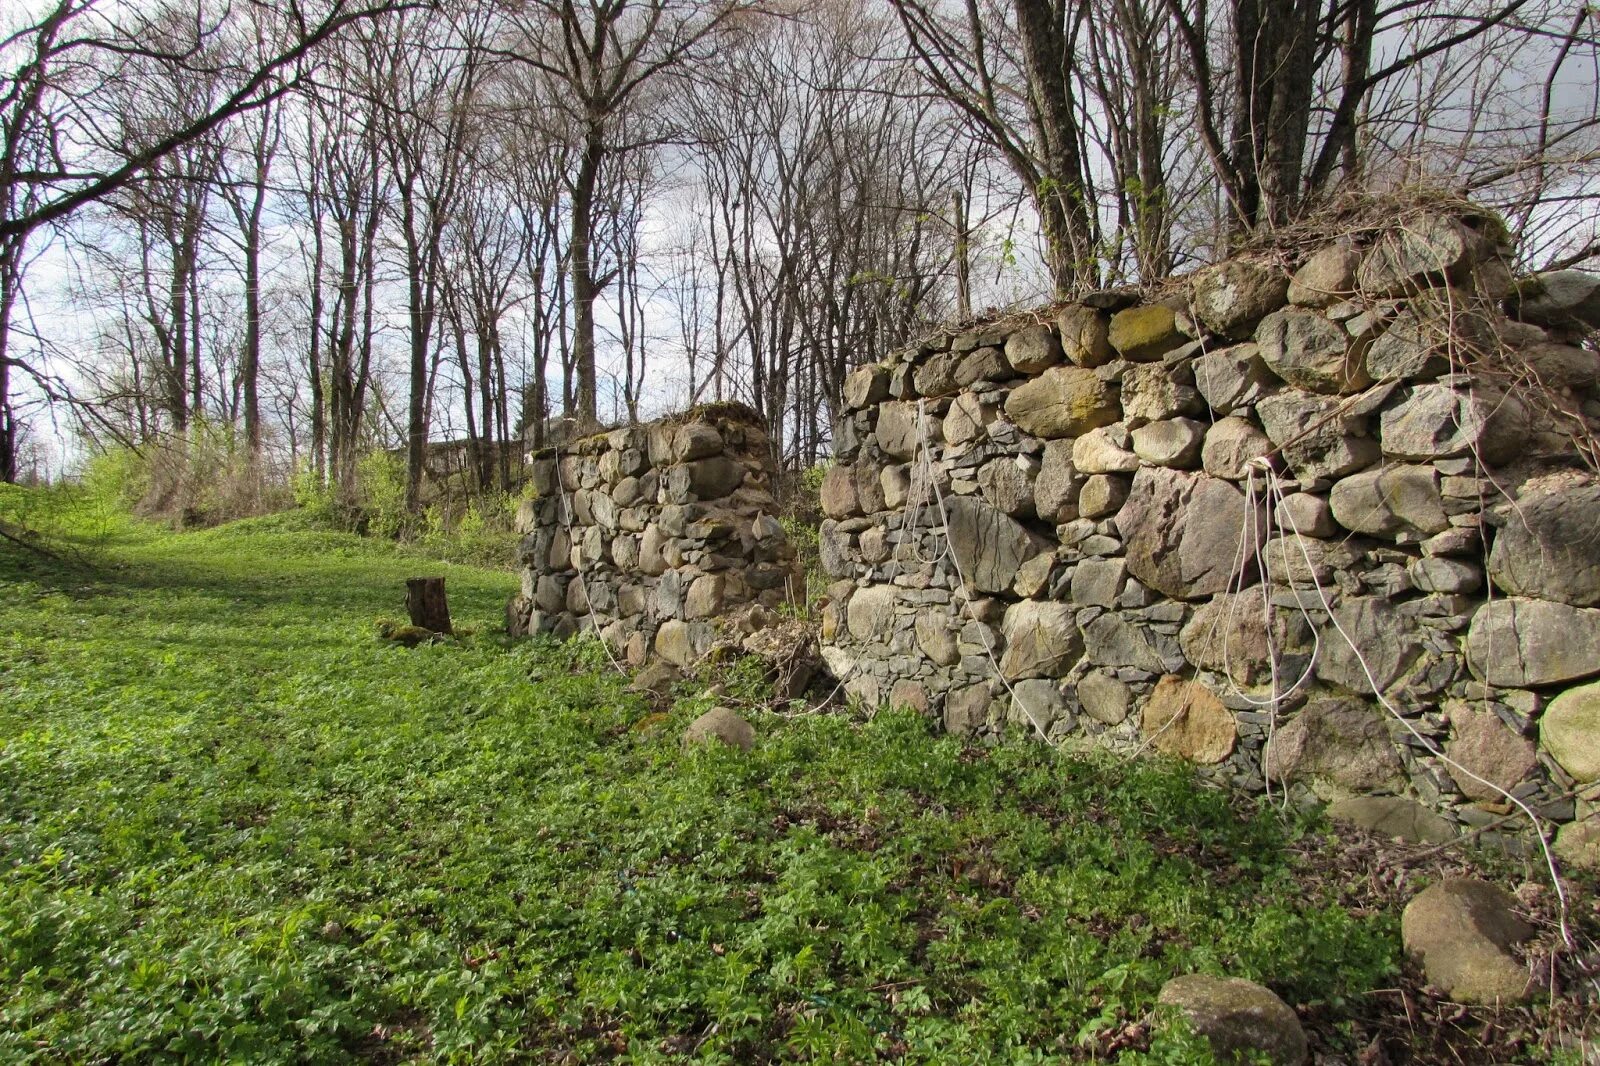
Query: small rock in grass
[
  {"x": 656, "y": 679},
  {"x": 1240, "y": 1019},
  {"x": 720, "y": 724}
]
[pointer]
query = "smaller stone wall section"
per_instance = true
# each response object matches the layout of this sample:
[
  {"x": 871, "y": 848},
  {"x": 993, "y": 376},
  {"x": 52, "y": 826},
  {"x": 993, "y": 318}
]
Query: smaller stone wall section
[{"x": 649, "y": 533}]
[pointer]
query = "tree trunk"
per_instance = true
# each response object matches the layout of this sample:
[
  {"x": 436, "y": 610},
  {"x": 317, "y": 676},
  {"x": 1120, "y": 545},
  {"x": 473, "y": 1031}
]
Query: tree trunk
[
  {"x": 585, "y": 405},
  {"x": 425, "y": 602}
]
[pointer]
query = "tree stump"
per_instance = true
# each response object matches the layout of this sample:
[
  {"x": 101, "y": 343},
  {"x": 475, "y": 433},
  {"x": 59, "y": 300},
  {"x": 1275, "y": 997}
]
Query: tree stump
[{"x": 426, "y": 604}]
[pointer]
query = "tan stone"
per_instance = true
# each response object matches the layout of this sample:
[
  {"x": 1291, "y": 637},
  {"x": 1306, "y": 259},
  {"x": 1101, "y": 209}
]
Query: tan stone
[
  {"x": 1064, "y": 401},
  {"x": 720, "y": 725},
  {"x": 1185, "y": 719}
]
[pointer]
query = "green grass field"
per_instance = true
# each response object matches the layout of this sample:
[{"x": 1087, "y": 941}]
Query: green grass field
[{"x": 236, "y": 826}]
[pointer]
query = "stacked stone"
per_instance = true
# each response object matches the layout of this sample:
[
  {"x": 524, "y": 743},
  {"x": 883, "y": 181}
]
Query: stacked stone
[
  {"x": 1094, "y": 470},
  {"x": 649, "y": 533}
]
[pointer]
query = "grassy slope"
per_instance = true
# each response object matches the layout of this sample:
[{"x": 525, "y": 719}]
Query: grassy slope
[{"x": 233, "y": 824}]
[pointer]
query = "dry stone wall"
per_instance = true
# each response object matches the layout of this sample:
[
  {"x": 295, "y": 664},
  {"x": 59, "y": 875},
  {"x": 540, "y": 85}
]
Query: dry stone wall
[
  {"x": 1065, "y": 523},
  {"x": 648, "y": 534}
]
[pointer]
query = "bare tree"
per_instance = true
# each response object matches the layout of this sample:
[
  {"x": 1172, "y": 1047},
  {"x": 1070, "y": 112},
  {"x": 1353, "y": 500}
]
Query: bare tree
[{"x": 601, "y": 59}]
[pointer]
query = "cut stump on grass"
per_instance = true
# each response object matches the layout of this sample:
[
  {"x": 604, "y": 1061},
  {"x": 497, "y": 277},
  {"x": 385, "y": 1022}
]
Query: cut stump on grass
[{"x": 425, "y": 602}]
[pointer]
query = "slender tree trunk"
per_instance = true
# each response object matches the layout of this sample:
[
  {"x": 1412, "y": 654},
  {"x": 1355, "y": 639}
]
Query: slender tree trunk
[
  {"x": 583, "y": 286},
  {"x": 10, "y": 280}
]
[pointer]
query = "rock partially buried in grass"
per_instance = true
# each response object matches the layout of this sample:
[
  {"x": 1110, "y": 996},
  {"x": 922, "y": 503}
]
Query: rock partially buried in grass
[
  {"x": 1393, "y": 816},
  {"x": 407, "y": 636},
  {"x": 1462, "y": 930},
  {"x": 656, "y": 679},
  {"x": 720, "y": 724},
  {"x": 1240, "y": 1019}
]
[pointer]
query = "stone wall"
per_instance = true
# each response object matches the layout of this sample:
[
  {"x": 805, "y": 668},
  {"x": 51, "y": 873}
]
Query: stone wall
[
  {"x": 648, "y": 533},
  {"x": 1079, "y": 502}
]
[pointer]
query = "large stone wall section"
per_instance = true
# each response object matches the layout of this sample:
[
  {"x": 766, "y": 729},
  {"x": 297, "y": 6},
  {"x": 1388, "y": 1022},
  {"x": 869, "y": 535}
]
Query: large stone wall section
[
  {"x": 648, "y": 534},
  {"x": 1057, "y": 522}
]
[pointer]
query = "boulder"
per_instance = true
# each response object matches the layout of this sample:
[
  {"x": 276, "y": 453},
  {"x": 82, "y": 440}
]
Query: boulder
[
  {"x": 684, "y": 644},
  {"x": 869, "y": 487},
  {"x": 1036, "y": 705},
  {"x": 1241, "y": 1020},
  {"x": 833, "y": 550},
  {"x": 696, "y": 440},
  {"x": 1452, "y": 577},
  {"x": 1233, "y": 377},
  {"x": 966, "y": 709},
  {"x": 1340, "y": 745},
  {"x": 1386, "y": 636},
  {"x": 1563, "y": 365},
  {"x": 1316, "y": 439},
  {"x": 1420, "y": 253},
  {"x": 1549, "y": 547},
  {"x": 1104, "y": 698},
  {"x": 910, "y": 695},
  {"x": 983, "y": 364},
  {"x": 936, "y": 639},
  {"x": 1578, "y": 844},
  {"x": 1158, "y": 391},
  {"x": 1183, "y": 531},
  {"x": 1232, "y": 298},
  {"x": 895, "y": 484},
  {"x": 968, "y": 419},
  {"x": 1486, "y": 753},
  {"x": 1229, "y": 446},
  {"x": 870, "y": 615},
  {"x": 1438, "y": 421},
  {"x": 1306, "y": 514},
  {"x": 1412, "y": 348},
  {"x": 1106, "y": 450},
  {"x": 1008, "y": 486},
  {"x": 1175, "y": 443},
  {"x": 1231, "y": 635},
  {"x": 1328, "y": 277},
  {"x": 897, "y": 431},
  {"x": 1114, "y": 640},
  {"x": 1462, "y": 931},
  {"x": 1064, "y": 401},
  {"x": 1300, "y": 562},
  {"x": 937, "y": 377},
  {"x": 1032, "y": 349},
  {"x": 1312, "y": 353},
  {"x": 1396, "y": 499},
  {"x": 1393, "y": 816},
  {"x": 706, "y": 596},
  {"x": 1098, "y": 582},
  {"x": 1042, "y": 640},
  {"x": 865, "y": 386},
  {"x": 1101, "y": 495},
  {"x": 709, "y": 479},
  {"x": 1569, "y": 732},
  {"x": 1144, "y": 334},
  {"x": 1521, "y": 643},
  {"x": 989, "y": 546},
  {"x": 839, "y": 492},
  {"x": 1183, "y": 718},
  {"x": 1085, "y": 336},
  {"x": 720, "y": 725},
  {"x": 1564, "y": 299},
  {"x": 1055, "y": 490}
]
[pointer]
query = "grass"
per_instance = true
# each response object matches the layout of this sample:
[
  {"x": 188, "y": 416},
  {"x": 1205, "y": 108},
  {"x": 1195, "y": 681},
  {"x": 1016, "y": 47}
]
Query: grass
[{"x": 235, "y": 826}]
